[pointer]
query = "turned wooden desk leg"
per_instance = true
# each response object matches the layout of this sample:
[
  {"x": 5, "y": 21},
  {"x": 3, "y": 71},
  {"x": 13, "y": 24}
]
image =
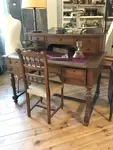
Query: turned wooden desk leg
[
  {"x": 97, "y": 93},
  {"x": 88, "y": 106},
  {"x": 98, "y": 85},
  {"x": 15, "y": 97}
]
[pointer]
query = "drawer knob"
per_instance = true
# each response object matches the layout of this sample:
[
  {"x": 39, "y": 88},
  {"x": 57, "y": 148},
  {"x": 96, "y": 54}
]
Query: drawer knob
[
  {"x": 89, "y": 40},
  {"x": 60, "y": 39}
]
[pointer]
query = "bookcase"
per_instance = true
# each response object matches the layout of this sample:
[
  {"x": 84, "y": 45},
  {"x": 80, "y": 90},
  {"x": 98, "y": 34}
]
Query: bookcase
[{"x": 74, "y": 14}]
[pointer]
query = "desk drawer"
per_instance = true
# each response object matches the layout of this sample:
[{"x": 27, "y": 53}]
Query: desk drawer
[
  {"x": 13, "y": 66},
  {"x": 15, "y": 62},
  {"x": 38, "y": 38},
  {"x": 12, "y": 62},
  {"x": 61, "y": 40},
  {"x": 89, "y": 41},
  {"x": 74, "y": 76},
  {"x": 90, "y": 45},
  {"x": 90, "y": 49}
]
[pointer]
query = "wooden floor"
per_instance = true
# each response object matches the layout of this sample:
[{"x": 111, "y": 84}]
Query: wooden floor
[{"x": 67, "y": 132}]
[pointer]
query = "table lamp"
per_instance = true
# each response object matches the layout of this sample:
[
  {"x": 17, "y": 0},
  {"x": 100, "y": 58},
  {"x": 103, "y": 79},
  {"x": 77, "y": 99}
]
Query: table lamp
[{"x": 34, "y": 4}]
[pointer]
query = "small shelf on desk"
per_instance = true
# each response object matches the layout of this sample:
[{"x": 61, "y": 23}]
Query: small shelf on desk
[
  {"x": 91, "y": 17},
  {"x": 84, "y": 5},
  {"x": 67, "y": 10},
  {"x": 69, "y": 17},
  {"x": 110, "y": 18}
]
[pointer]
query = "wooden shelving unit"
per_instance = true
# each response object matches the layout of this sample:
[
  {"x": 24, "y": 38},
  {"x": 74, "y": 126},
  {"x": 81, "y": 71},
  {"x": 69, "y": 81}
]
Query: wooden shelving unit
[{"x": 83, "y": 15}]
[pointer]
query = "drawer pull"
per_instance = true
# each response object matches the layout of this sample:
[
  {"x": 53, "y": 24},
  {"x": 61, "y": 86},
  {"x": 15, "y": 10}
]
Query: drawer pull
[
  {"x": 89, "y": 41},
  {"x": 60, "y": 39}
]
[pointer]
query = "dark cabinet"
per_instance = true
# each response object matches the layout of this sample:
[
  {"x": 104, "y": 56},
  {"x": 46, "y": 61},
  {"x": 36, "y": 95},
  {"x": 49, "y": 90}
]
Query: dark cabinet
[{"x": 110, "y": 8}]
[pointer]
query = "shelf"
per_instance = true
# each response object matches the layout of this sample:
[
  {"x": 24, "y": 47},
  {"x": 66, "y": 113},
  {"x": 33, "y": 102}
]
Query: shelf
[
  {"x": 90, "y": 5},
  {"x": 88, "y": 27},
  {"x": 66, "y": 21},
  {"x": 67, "y": 10},
  {"x": 84, "y": 5},
  {"x": 70, "y": 8},
  {"x": 110, "y": 18},
  {"x": 71, "y": 17},
  {"x": 71, "y": 28},
  {"x": 91, "y": 17}
]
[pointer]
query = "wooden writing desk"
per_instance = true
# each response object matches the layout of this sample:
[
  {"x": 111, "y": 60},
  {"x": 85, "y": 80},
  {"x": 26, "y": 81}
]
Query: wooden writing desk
[{"x": 82, "y": 74}]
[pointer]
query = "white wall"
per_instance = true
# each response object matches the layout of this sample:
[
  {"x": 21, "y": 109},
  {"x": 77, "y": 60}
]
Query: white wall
[
  {"x": 52, "y": 13},
  {"x": 109, "y": 41},
  {"x": 59, "y": 12}
]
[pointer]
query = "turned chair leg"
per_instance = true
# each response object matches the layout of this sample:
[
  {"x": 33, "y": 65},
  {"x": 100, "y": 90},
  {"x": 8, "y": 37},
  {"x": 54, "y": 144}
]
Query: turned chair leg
[
  {"x": 62, "y": 102},
  {"x": 28, "y": 105},
  {"x": 110, "y": 94},
  {"x": 48, "y": 111},
  {"x": 41, "y": 99},
  {"x": 110, "y": 116},
  {"x": 111, "y": 106}
]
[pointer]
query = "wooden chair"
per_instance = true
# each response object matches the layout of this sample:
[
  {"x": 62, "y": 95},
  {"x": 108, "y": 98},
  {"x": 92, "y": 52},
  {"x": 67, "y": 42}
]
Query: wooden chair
[{"x": 36, "y": 80}]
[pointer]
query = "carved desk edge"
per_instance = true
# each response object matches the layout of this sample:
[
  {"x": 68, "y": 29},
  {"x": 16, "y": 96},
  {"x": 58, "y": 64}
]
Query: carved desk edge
[{"x": 93, "y": 62}]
